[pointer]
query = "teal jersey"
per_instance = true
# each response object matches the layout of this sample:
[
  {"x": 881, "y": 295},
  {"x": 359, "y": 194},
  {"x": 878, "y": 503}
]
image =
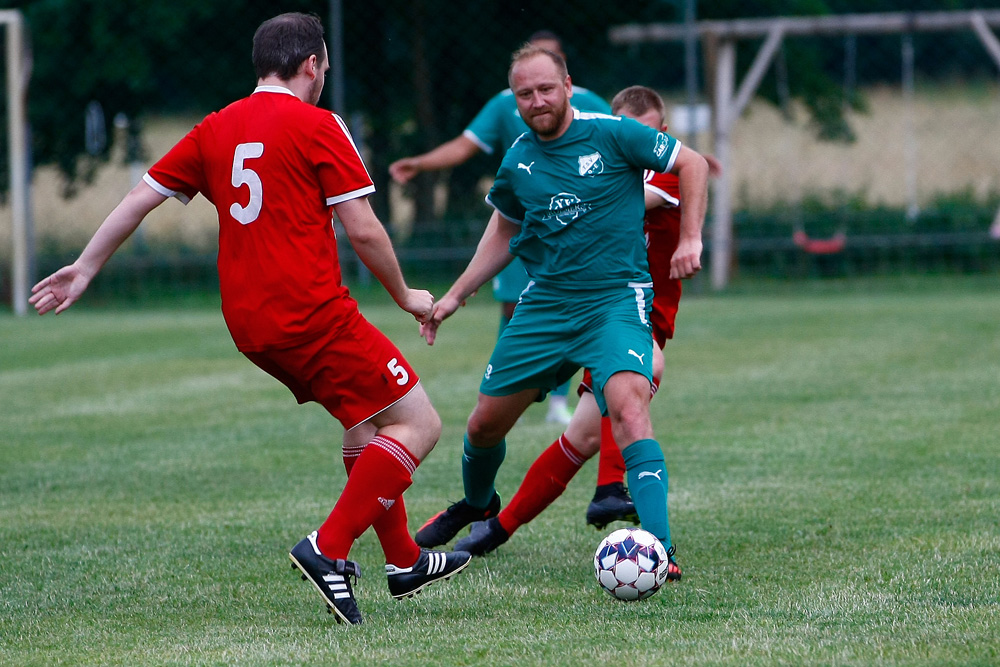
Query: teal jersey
[
  {"x": 498, "y": 124},
  {"x": 579, "y": 200}
]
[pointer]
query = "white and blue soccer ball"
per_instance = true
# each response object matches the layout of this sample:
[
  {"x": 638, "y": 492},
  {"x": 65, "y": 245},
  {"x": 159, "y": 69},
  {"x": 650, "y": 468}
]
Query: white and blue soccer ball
[{"x": 630, "y": 564}]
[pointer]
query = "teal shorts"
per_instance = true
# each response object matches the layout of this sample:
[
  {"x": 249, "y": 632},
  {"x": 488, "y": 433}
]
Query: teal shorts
[
  {"x": 555, "y": 332},
  {"x": 509, "y": 283}
]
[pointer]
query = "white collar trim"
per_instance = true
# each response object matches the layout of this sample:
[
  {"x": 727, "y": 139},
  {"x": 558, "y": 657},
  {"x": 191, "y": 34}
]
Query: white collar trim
[{"x": 273, "y": 89}]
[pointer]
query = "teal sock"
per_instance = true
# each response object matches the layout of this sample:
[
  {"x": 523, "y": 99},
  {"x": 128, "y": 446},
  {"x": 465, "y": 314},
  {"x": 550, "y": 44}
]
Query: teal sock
[
  {"x": 646, "y": 471},
  {"x": 479, "y": 472}
]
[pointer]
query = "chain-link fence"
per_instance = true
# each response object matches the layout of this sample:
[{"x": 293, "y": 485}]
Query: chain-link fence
[{"x": 857, "y": 154}]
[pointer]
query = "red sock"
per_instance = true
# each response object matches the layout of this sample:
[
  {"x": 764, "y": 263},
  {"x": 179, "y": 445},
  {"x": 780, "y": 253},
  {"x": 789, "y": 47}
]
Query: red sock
[
  {"x": 610, "y": 464},
  {"x": 391, "y": 529},
  {"x": 375, "y": 485},
  {"x": 546, "y": 480}
]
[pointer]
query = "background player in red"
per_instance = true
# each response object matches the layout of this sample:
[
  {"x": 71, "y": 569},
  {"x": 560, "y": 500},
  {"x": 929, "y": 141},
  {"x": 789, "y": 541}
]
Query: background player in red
[
  {"x": 548, "y": 476},
  {"x": 274, "y": 165}
]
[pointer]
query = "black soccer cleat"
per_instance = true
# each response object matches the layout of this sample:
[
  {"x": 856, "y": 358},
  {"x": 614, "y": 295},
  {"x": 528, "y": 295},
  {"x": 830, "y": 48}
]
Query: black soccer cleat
[
  {"x": 330, "y": 577},
  {"x": 483, "y": 537},
  {"x": 673, "y": 569},
  {"x": 444, "y": 526},
  {"x": 611, "y": 503},
  {"x": 431, "y": 566}
]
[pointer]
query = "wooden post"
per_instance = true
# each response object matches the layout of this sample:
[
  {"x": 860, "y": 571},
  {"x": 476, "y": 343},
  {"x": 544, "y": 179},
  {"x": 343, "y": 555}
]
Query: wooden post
[
  {"x": 722, "y": 216},
  {"x": 18, "y": 159}
]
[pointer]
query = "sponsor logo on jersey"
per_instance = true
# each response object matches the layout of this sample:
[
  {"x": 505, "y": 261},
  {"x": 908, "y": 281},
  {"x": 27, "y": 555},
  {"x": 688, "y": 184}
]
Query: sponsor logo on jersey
[
  {"x": 565, "y": 208},
  {"x": 661, "y": 144},
  {"x": 591, "y": 165},
  {"x": 526, "y": 167}
]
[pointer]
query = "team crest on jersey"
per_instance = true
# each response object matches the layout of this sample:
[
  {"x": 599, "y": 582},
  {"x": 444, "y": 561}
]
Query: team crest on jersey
[
  {"x": 591, "y": 165},
  {"x": 565, "y": 208},
  {"x": 661, "y": 144}
]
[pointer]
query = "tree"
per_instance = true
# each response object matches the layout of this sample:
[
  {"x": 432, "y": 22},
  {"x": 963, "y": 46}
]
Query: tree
[{"x": 131, "y": 58}]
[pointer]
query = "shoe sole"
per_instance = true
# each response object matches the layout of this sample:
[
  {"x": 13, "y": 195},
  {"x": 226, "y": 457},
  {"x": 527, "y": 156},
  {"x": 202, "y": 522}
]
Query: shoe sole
[
  {"x": 330, "y": 608},
  {"x": 421, "y": 587},
  {"x": 597, "y": 523}
]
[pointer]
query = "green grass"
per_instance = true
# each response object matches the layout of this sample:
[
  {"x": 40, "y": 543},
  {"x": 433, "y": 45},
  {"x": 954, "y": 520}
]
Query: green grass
[{"x": 834, "y": 477}]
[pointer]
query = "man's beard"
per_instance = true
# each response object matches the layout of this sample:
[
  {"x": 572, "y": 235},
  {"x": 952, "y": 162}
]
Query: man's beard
[{"x": 547, "y": 123}]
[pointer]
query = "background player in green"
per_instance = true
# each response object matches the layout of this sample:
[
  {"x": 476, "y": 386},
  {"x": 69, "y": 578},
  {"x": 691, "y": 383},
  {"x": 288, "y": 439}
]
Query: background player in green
[
  {"x": 497, "y": 125},
  {"x": 568, "y": 200}
]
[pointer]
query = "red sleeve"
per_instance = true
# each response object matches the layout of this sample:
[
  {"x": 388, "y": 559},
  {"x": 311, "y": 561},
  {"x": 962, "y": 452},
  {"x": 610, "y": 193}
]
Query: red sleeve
[
  {"x": 342, "y": 172},
  {"x": 665, "y": 185},
  {"x": 179, "y": 173}
]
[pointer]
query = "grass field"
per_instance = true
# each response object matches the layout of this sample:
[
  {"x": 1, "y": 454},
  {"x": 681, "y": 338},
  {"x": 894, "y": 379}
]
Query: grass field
[{"x": 834, "y": 469}]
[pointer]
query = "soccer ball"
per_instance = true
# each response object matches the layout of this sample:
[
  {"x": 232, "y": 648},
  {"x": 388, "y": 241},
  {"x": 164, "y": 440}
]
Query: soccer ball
[{"x": 630, "y": 564}]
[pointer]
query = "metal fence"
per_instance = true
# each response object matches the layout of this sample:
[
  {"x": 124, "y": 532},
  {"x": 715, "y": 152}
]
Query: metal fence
[{"x": 885, "y": 145}]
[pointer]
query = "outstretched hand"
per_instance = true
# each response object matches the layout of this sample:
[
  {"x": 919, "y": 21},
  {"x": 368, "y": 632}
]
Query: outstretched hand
[
  {"x": 442, "y": 310},
  {"x": 404, "y": 169},
  {"x": 60, "y": 290},
  {"x": 714, "y": 166}
]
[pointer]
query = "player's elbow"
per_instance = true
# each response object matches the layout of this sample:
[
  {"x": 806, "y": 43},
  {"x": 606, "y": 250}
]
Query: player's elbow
[
  {"x": 366, "y": 235},
  {"x": 692, "y": 163}
]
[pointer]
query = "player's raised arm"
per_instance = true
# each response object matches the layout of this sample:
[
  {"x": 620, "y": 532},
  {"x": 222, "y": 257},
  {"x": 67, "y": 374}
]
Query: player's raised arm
[
  {"x": 61, "y": 289},
  {"x": 370, "y": 240},
  {"x": 492, "y": 255},
  {"x": 449, "y": 154}
]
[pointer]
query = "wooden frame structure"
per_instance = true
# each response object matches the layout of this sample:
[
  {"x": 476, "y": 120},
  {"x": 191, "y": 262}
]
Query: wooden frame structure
[
  {"x": 719, "y": 39},
  {"x": 17, "y": 86}
]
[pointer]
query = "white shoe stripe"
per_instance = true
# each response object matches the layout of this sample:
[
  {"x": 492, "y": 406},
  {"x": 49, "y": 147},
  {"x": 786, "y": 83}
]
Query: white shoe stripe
[{"x": 436, "y": 565}]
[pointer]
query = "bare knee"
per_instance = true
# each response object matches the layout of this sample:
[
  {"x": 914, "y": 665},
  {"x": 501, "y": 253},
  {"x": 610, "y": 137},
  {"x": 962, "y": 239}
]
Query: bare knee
[
  {"x": 484, "y": 430},
  {"x": 627, "y": 396},
  {"x": 494, "y": 416},
  {"x": 631, "y": 423}
]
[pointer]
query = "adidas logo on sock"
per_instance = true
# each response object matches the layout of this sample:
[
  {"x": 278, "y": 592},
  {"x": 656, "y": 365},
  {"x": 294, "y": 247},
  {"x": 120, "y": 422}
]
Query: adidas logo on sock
[{"x": 386, "y": 503}]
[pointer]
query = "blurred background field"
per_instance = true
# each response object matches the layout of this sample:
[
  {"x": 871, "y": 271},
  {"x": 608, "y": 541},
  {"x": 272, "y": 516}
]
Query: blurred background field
[{"x": 776, "y": 162}]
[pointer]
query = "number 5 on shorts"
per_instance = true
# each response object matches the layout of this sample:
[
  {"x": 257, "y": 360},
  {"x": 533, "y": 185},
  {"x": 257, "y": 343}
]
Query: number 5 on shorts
[{"x": 402, "y": 377}]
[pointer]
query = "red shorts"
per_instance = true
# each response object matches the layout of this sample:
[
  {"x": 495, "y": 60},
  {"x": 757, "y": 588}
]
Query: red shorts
[
  {"x": 355, "y": 372},
  {"x": 660, "y": 246}
]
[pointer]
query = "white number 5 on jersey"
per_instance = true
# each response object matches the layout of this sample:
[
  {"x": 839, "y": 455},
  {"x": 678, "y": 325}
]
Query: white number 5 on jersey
[
  {"x": 402, "y": 377},
  {"x": 248, "y": 177}
]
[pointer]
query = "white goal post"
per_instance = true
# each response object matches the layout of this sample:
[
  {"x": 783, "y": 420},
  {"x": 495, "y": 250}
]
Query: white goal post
[{"x": 17, "y": 83}]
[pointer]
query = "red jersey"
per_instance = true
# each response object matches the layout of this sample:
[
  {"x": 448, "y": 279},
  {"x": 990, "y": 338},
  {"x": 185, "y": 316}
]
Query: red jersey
[
  {"x": 667, "y": 186},
  {"x": 663, "y": 232},
  {"x": 273, "y": 166}
]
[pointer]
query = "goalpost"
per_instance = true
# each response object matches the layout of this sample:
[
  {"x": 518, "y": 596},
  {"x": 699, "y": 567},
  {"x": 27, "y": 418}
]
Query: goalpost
[{"x": 17, "y": 74}]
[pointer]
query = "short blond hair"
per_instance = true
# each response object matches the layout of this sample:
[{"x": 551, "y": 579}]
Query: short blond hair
[
  {"x": 639, "y": 100},
  {"x": 530, "y": 50}
]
